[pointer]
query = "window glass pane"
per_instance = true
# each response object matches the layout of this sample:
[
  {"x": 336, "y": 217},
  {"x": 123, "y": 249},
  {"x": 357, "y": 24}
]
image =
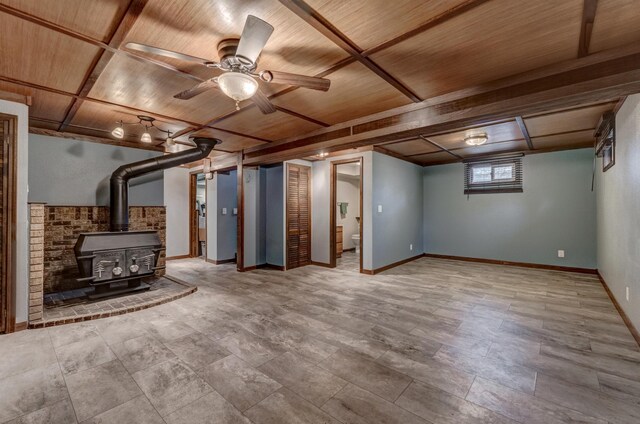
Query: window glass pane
[
  {"x": 481, "y": 174},
  {"x": 503, "y": 172}
]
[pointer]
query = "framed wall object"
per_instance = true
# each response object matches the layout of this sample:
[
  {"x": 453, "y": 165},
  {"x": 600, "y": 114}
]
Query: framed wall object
[{"x": 606, "y": 140}]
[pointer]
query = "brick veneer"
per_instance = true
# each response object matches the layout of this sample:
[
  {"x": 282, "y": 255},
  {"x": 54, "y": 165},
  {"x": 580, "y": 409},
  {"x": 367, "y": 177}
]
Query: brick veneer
[
  {"x": 61, "y": 226},
  {"x": 36, "y": 261}
]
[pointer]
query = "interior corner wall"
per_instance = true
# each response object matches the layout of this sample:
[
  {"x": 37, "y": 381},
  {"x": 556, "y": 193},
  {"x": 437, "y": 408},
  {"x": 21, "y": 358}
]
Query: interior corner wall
[
  {"x": 251, "y": 216},
  {"x": 76, "y": 173},
  {"x": 274, "y": 219},
  {"x": 211, "y": 189},
  {"x": 618, "y": 206},
  {"x": 22, "y": 210},
  {"x": 397, "y": 230},
  {"x": 556, "y": 211},
  {"x": 176, "y": 195}
]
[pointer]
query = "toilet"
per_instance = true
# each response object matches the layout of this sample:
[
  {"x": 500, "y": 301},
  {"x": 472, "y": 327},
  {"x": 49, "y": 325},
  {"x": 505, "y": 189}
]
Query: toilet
[{"x": 356, "y": 242}]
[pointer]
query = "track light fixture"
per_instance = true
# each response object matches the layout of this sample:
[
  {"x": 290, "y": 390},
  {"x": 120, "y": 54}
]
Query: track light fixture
[{"x": 147, "y": 122}]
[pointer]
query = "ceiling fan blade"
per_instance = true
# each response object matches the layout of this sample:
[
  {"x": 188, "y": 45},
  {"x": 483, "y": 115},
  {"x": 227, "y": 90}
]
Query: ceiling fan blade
[
  {"x": 254, "y": 36},
  {"x": 263, "y": 102},
  {"x": 196, "y": 89},
  {"x": 166, "y": 53},
  {"x": 277, "y": 77}
]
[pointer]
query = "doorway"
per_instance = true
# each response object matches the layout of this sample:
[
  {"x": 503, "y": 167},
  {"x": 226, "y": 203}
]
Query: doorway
[
  {"x": 198, "y": 216},
  {"x": 345, "y": 211},
  {"x": 7, "y": 222},
  {"x": 298, "y": 216}
]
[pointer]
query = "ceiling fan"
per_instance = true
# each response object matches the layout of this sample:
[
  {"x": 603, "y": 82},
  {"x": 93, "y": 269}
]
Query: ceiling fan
[{"x": 239, "y": 61}]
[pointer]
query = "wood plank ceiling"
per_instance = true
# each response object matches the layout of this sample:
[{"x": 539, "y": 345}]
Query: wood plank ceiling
[{"x": 380, "y": 55}]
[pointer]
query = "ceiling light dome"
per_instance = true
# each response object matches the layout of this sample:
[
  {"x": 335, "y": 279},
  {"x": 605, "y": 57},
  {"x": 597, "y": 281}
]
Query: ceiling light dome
[
  {"x": 476, "y": 139},
  {"x": 238, "y": 86}
]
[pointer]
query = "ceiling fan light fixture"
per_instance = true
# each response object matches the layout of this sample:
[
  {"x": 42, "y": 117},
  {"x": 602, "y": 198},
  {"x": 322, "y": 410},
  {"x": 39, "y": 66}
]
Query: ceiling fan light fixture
[
  {"x": 238, "y": 86},
  {"x": 476, "y": 139}
]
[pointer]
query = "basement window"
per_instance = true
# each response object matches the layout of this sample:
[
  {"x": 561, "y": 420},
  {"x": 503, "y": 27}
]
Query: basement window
[{"x": 499, "y": 175}]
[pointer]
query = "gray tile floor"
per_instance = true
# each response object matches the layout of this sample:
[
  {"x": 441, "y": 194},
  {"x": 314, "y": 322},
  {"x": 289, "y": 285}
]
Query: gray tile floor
[{"x": 432, "y": 341}]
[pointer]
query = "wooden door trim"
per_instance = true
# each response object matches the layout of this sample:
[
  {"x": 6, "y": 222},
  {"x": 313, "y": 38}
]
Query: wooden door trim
[
  {"x": 9, "y": 218},
  {"x": 286, "y": 211},
  {"x": 332, "y": 207}
]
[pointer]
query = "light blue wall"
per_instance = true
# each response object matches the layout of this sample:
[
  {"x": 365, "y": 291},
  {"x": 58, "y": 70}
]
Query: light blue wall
[
  {"x": 618, "y": 192},
  {"x": 274, "y": 202},
  {"x": 397, "y": 186},
  {"x": 69, "y": 172},
  {"x": 556, "y": 211},
  {"x": 227, "y": 225},
  {"x": 261, "y": 254}
]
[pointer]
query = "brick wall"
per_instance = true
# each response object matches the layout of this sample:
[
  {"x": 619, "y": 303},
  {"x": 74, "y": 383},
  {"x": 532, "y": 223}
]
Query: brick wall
[
  {"x": 36, "y": 261},
  {"x": 62, "y": 226}
]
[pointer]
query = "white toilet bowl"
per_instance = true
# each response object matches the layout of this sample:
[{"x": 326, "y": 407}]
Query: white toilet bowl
[{"x": 356, "y": 242}]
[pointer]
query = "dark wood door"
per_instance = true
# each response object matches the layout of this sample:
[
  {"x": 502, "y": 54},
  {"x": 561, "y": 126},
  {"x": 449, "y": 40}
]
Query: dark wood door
[{"x": 298, "y": 216}]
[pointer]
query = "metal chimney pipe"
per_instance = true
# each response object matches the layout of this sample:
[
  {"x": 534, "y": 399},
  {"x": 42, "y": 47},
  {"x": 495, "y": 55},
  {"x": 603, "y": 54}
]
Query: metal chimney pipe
[{"x": 119, "y": 185}]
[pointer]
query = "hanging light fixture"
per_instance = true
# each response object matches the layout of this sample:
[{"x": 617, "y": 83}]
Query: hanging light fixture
[
  {"x": 147, "y": 122},
  {"x": 238, "y": 86},
  {"x": 118, "y": 132},
  {"x": 146, "y": 137},
  {"x": 476, "y": 139}
]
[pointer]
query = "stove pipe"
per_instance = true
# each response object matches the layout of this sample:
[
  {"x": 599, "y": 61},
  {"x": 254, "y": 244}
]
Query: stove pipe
[{"x": 119, "y": 186}]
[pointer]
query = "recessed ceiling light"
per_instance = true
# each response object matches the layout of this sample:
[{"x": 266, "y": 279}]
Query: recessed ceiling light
[{"x": 476, "y": 139}]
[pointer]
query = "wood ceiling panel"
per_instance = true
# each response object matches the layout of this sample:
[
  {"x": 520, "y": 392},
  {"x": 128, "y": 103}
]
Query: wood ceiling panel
[
  {"x": 436, "y": 157},
  {"x": 230, "y": 142},
  {"x": 103, "y": 119},
  {"x": 565, "y": 141},
  {"x": 411, "y": 147},
  {"x": 41, "y": 56},
  {"x": 493, "y": 148},
  {"x": 93, "y": 18},
  {"x": 572, "y": 120},
  {"x": 44, "y": 104},
  {"x": 369, "y": 23},
  {"x": 149, "y": 87},
  {"x": 494, "y": 40},
  {"x": 196, "y": 27},
  {"x": 497, "y": 133},
  {"x": 274, "y": 126},
  {"x": 616, "y": 24},
  {"x": 355, "y": 91}
]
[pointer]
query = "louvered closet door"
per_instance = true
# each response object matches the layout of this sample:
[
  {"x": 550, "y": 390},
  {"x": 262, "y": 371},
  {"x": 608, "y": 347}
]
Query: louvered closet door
[
  {"x": 298, "y": 216},
  {"x": 3, "y": 146}
]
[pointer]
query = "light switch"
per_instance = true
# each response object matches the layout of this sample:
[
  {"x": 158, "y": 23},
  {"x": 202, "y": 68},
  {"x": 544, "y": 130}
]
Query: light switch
[
  {"x": 224, "y": 211},
  {"x": 235, "y": 211},
  {"x": 561, "y": 253},
  {"x": 379, "y": 208}
]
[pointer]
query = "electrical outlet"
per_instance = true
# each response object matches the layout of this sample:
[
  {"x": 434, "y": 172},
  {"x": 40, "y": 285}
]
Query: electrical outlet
[
  {"x": 379, "y": 208},
  {"x": 235, "y": 211},
  {"x": 411, "y": 247},
  {"x": 224, "y": 211},
  {"x": 627, "y": 293},
  {"x": 561, "y": 253}
]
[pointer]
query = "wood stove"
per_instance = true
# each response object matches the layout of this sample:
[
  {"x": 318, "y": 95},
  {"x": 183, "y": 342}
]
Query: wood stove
[{"x": 116, "y": 262}]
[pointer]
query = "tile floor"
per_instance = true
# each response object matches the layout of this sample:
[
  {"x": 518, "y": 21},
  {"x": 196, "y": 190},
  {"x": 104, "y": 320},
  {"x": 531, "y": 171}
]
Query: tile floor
[{"x": 432, "y": 341}]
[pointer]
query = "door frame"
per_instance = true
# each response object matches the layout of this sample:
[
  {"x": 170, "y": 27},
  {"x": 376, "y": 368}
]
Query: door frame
[
  {"x": 194, "y": 223},
  {"x": 333, "y": 207},
  {"x": 8, "y": 180},
  {"x": 286, "y": 212}
]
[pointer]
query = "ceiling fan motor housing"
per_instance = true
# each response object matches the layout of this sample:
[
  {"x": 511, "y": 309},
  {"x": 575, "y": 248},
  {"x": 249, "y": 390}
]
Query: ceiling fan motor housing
[{"x": 229, "y": 61}]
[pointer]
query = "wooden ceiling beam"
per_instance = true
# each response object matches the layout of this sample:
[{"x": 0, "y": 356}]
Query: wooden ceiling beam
[
  {"x": 601, "y": 77},
  {"x": 524, "y": 131},
  {"x": 103, "y": 58},
  {"x": 588, "y": 16},
  {"x": 457, "y": 10},
  {"x": 101, "y": 140},
  {"x": 326, "y": 28},
  {"x": 442, "y": 148}
]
